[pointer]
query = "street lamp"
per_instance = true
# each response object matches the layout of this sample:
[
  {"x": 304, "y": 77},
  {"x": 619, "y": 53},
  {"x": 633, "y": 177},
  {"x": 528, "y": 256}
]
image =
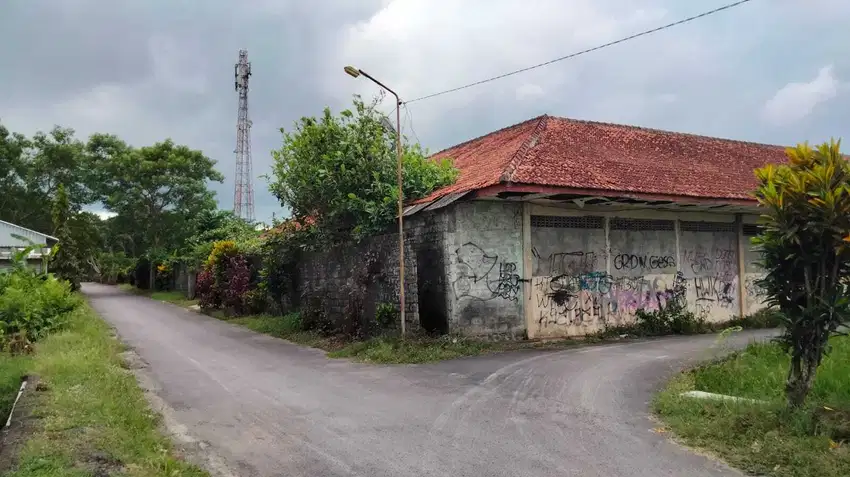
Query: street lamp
[{"x": 354, "y": 73}]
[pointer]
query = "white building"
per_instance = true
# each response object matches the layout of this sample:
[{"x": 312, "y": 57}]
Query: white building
[{"x": 14, "y": 238}]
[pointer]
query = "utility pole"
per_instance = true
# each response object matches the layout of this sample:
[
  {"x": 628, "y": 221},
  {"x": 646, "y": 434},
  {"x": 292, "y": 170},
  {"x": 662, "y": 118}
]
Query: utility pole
[
  {"x": 243, "y": 194},
  {"x": 354, "y": 73}
]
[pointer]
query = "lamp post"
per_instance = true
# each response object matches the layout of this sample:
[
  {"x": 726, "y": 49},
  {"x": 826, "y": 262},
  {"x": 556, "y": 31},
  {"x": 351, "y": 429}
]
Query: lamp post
[{"x": 356, "y": 72}]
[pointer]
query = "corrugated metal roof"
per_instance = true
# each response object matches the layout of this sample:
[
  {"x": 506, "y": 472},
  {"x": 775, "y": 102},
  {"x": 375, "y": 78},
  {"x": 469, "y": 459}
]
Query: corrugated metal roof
[{"x": 9, "y": 230}]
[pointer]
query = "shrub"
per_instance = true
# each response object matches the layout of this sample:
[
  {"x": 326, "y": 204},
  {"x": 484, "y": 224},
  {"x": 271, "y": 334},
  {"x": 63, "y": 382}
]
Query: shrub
[
  {"x": 208, "y": 297},
  {"x": 764, "y": 318},
  {"x": 31, "y": 306},
  {"x": 671, "y": 320},
  {"x": 386, "y": 315},
  {"x": 238, "y": 283}
]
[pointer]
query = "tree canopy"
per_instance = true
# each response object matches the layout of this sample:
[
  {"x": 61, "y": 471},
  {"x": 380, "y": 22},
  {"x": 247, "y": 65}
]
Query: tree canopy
[
  {"x": 156, "y": 192},
  {"x": 340, "y": 171}
]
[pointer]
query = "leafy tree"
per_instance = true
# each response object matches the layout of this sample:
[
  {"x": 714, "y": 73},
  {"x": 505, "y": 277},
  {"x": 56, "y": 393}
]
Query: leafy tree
[
  {"x": 31, "y": 171},
  {"x": 159, "y": 189},
  {"x": 13, "y": 200},
  {"x": 109, "y": 266},
  {"x": 341, "y": 172},
  {"x": 215, "y": 226},
  {"x": 65, "y": 262},
  {"x": 805, "y": 242}
]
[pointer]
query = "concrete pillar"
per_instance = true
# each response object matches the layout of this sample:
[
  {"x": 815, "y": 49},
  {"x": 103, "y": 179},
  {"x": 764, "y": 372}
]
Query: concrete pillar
[
  {"x": 527, "y": 265},
  {"x": 742, "y": 267},
  {"x": 606, "y": 226}
]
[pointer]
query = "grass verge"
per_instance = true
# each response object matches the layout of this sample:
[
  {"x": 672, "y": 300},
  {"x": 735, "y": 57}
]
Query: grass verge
[
  {"x": 766, "y": 439},
  {"x": 175, "y": 297},
  {"x": 387, "y": 349},
  {"x": 391, "y": 349},
  {"x": 93, "y": 419}
]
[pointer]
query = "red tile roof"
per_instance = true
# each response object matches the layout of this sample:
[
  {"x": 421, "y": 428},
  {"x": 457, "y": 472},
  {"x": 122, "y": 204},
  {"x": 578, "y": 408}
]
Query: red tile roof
[{"x": 612, "y": 159}]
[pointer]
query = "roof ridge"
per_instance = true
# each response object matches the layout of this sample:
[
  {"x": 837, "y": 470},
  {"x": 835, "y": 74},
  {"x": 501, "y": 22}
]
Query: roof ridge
[
  {"x": 498, "y": 131},
  {"x": 519, "y": 155},
  {"x": 665, "y": 131},
  {"x": 28, "y": 230}
]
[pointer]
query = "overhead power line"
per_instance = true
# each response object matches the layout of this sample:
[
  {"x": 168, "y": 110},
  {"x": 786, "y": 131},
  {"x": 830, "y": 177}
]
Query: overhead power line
[{"x": 582, "y": 52}]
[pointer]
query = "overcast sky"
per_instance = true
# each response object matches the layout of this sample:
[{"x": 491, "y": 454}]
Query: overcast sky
[{"x": 775, "y": 71}]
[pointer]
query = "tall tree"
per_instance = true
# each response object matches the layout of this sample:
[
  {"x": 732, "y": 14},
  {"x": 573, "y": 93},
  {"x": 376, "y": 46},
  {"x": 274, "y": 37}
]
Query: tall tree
[
  {"x": 805, "y": 245},
  {"x": 14, "y": 199},
  {"x": 65, "y": 261},
  {"x": 341, "y": 171},
  {"x": 160, "y": 188},
  {"x": 32, "y": 170}
]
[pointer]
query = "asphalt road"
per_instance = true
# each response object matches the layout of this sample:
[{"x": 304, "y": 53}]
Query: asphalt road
[{"x": 271, "y": 408}]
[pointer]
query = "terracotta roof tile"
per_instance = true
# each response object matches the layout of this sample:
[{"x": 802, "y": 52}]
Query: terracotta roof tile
[{"x": 611, "y": 158}]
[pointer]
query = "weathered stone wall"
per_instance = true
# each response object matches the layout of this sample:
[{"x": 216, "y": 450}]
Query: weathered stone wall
[{"x": 334, "y": 277}]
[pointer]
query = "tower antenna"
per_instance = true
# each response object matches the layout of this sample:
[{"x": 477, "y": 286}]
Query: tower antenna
[{"x": 243, "y": 195}]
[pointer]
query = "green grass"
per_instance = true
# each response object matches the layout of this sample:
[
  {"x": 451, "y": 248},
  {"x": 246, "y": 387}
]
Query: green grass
[
  {"x": 176, "y": 297},
  {"x": 766, "y": 439},
  {"x": 12, "y": 369},
  {"x": 394, "y": 350},
  {"x": 389, "y": 349},
  {"x": 93, "y": 417},
  {"x": 287, "y": 327}
]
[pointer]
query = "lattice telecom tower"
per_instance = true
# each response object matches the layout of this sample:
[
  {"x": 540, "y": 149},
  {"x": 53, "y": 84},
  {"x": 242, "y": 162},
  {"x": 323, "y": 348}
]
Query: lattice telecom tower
[{"x": 243, "y": 196}]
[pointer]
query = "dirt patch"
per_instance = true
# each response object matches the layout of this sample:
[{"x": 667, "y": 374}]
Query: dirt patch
[
  {"x": 833, "y": 422},
  {"x": 21, "y": 426},
  {"x": 102, "y": 465},
  {"x": 131, "y": 360}
]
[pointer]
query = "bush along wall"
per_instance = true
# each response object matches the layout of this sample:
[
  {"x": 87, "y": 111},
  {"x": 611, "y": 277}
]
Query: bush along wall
[
  {"x": 31, "y": 305},
  {"x": 225, "y": 281}
]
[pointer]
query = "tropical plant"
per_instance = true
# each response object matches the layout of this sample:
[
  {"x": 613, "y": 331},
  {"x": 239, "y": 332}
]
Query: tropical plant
[{"x": 805, "y": 247}]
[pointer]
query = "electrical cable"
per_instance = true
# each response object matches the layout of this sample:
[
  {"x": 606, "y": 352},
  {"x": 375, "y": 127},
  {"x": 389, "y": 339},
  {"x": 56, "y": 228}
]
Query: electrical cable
[{"x": 582, "y": 52}]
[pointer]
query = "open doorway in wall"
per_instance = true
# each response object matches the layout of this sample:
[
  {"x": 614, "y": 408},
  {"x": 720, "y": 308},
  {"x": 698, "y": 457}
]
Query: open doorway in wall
[{"x": 431, "y": 290}]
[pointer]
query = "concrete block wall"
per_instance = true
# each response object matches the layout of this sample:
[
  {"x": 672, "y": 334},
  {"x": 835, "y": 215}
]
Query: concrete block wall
[
  {"x": 483, "y": 247},
  {"x": 506, "y": 269}
]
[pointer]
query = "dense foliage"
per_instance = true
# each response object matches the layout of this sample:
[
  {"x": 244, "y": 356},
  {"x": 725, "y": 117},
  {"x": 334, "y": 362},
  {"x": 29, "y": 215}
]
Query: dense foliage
[
  {"x": 31, "y": 304},
  {"x": 340, "y": 171},
  {"x": 65, "y": 262},
  {"x": 163, "y": 188},
  {"x": 158, "y": 195},
  {"x": 805, "y": 245}
]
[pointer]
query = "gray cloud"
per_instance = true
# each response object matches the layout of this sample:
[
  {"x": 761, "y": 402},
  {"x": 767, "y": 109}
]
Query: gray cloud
[{"x": 156, "y": 69}]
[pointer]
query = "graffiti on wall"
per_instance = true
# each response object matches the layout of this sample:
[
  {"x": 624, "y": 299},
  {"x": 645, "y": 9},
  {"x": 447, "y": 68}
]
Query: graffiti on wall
[
  {"x": 565, "y": 263},
  {"x": 597, "y": 298},
  {"x": 714, "y": 284},
  {"x": 630, "y": 261},
  {"x": 704, "y": 261},
  {"x": 482, "y": 276},
  {"x": 753, "y": 288}
]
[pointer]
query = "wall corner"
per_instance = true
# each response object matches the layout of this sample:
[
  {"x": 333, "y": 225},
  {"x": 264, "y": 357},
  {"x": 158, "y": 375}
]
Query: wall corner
[{"x": 527, "y": 265}]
